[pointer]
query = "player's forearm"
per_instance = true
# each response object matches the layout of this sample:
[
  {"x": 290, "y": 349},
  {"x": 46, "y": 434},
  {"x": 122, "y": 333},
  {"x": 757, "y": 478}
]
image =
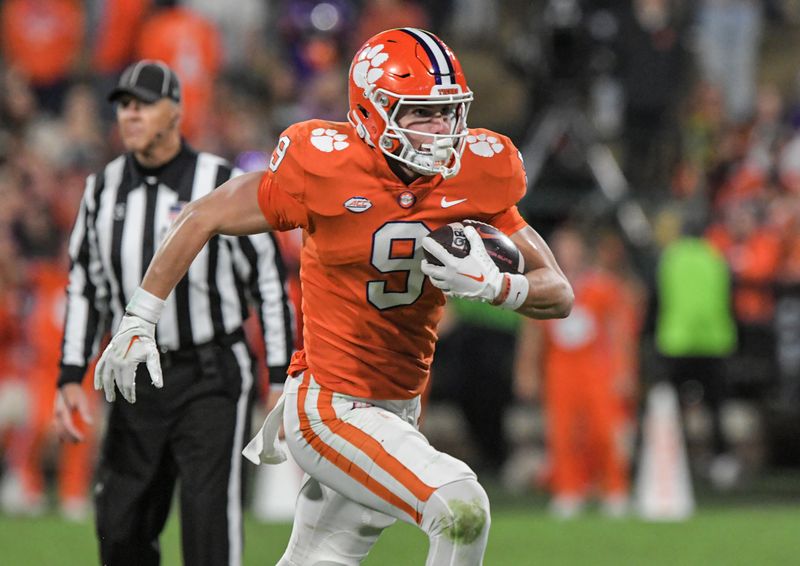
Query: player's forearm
[
  {"x": 549, "y": 296},
  {"x": 232, "y": 209},
  {"x": 187, "y": 236}
]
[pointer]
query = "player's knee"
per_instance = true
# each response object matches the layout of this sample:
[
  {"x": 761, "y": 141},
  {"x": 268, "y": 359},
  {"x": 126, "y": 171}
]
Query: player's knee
[{"x": 458, "y": 511}]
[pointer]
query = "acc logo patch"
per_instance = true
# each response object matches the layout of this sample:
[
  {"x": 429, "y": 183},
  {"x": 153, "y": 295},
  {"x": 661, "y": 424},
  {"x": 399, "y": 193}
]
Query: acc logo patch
[
  {"x": 358, "y": 204},
  {"x": 328, "y": 140}
]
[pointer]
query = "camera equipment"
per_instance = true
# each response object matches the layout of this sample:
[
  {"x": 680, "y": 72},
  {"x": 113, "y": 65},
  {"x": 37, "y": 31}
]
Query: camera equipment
[{"x": 569, "y": 50}]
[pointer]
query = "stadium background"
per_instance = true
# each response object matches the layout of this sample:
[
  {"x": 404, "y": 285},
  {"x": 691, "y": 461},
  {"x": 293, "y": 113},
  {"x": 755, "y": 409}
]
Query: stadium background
[{"x": 634, "y": 76}]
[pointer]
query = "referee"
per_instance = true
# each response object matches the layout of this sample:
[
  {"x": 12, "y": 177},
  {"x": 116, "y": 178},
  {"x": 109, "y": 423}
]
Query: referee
[{"x": 191, "y": 431}]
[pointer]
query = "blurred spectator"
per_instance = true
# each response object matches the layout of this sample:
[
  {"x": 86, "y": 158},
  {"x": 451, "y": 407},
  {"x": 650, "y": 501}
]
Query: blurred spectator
[
  {"x": 769, "y": 129},
  {"x": 43, "y": 325},
  {"x": 581, "y": 366},
  {"x": 729, "y": 46},
  {"x": 785, "y": 217},
  {"x": 788, "y": 165},
  {"x": 18, "y": 106},
  {"x": 701, "y": 128},
  {"x": 15, "y": 399},
  {"x": 442, "y": 12},
  {"x": 13, "y": 393},
  {"x": 35, "y": 231},
  {"x": 379, "y": 15},
  {"x": 12, "y": 199},
  {"x": 43, "y": 39},
  {"x": 466, "y": 21},
  {"x": 612, "y": 257},
  {"x": 753, "y": 252},
  {"x": 315, "y": 32},
  {"x": 82, "y": 129},
  {"x": 748, "y": 156},
  {"x": 695, "y": 329},
  {"x": 241, "y": 119},
  {"x": 192, "y": 46},
  {"x": 653, "y": 71},
  {"x": 243, "y": 29},
  {"x": 115, "y": 26},
  {"x": 325, "y": 97}
]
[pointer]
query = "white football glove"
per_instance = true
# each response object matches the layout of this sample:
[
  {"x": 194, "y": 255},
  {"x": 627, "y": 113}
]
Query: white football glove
[
  {"x": 474, "y": 276},
  {"x": 133, "y": 343}
]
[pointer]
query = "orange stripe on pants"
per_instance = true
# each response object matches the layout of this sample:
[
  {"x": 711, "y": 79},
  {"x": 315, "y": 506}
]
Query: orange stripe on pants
[{"x": 365, "y": 443}]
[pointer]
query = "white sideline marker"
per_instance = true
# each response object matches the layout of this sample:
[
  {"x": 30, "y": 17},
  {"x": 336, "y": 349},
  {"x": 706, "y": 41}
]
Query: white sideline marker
[{"x": 663, "y": 484}]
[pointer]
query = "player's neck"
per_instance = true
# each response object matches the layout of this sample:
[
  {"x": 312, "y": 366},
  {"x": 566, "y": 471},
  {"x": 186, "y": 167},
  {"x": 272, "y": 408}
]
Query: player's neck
[{"x": 403, "y": 173}]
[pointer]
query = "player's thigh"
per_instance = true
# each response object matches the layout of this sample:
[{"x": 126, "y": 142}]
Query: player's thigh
[{"x": 367, "y": 453}]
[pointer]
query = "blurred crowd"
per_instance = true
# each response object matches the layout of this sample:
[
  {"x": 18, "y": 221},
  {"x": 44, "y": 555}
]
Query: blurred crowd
[{"x": 673, "y": 88}]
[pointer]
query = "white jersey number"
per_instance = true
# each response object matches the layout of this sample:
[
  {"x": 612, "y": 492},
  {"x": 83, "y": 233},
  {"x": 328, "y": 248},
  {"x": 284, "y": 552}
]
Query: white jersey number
[
  {"x": 279, "y": 153},
  {"x": 397, "y": 248}
]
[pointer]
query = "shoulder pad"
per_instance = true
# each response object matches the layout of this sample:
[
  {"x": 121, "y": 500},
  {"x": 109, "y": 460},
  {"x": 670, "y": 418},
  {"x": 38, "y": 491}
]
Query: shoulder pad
[
  {"x": 492, "y": 160},
  {"x": 320, "y": 148}
]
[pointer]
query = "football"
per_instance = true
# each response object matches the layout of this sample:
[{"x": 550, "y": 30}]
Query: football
[{"x": 501, "y": 249}]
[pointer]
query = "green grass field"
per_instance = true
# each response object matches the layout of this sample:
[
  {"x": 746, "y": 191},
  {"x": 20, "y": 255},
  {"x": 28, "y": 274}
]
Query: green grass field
[{"x": 730, "y": 536}]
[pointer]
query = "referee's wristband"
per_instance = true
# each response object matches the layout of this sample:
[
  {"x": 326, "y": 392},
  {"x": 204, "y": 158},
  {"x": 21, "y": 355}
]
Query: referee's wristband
[
  {"x": 71, "y": 374},
  {"x": 145, "y": 305}
]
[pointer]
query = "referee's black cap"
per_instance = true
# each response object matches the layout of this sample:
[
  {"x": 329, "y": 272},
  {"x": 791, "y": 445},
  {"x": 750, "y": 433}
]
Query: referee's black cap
[{"x": 149, "y": 81}]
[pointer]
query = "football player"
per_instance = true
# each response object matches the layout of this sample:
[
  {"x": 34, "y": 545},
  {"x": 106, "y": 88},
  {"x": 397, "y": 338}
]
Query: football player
[{"x": 366, "y": 193}]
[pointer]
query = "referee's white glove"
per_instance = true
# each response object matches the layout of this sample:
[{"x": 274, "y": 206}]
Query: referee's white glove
[{"x": 133, "y": 343}]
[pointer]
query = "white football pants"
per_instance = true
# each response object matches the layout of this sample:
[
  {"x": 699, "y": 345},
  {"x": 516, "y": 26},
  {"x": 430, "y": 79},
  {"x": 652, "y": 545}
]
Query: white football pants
[{"x": 367, "y": 465}]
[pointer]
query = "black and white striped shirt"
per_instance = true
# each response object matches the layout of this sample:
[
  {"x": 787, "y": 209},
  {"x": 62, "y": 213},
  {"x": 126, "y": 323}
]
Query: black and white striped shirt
[{"x": 125, "y": 213}]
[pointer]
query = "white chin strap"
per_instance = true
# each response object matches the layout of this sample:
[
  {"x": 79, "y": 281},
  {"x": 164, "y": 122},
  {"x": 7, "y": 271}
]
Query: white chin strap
[{"x": 434, "y": 158}]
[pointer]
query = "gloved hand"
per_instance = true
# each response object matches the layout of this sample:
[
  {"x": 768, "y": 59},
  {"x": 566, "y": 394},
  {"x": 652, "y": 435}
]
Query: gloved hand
[
  {"x": 133, "y": 343},
  {"x": 474, "y": 276}
]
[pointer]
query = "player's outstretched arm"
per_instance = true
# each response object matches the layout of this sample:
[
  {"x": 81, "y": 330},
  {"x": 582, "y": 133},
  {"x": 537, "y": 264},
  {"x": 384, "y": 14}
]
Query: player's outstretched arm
[
  {"x": 232, "y": 209},
  {"x": 550, "y": 294}
]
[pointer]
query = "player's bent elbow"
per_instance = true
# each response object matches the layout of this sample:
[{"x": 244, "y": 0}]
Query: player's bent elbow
[
  {"x": 564, "y": 306},
  {"x": 196, "y": 219},
  {"x": 561, "y": 302}
]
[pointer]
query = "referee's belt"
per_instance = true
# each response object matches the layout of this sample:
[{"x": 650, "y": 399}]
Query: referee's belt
[{"x": 206, "y": 354}]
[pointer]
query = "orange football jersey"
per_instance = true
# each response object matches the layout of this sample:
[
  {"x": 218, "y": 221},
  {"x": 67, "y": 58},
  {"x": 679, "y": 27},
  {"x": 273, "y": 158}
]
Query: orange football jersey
[
  {"x": 580, "y": 345},
  {"x": 369, "y": 313}
]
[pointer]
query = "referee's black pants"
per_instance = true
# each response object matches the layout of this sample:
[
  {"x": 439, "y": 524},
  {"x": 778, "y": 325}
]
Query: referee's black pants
[{"x": 191, "y": 432}]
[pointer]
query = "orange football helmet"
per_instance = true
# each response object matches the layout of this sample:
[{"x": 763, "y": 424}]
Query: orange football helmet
[{"x": 408, "y": 66}]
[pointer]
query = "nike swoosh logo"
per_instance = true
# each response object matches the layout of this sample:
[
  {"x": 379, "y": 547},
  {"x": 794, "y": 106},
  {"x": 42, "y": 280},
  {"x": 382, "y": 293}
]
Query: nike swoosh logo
[
  {"x": 130, "y": 345},
  {"x": 477, "y": 278},
  {"x": 448, "y": 203}
]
